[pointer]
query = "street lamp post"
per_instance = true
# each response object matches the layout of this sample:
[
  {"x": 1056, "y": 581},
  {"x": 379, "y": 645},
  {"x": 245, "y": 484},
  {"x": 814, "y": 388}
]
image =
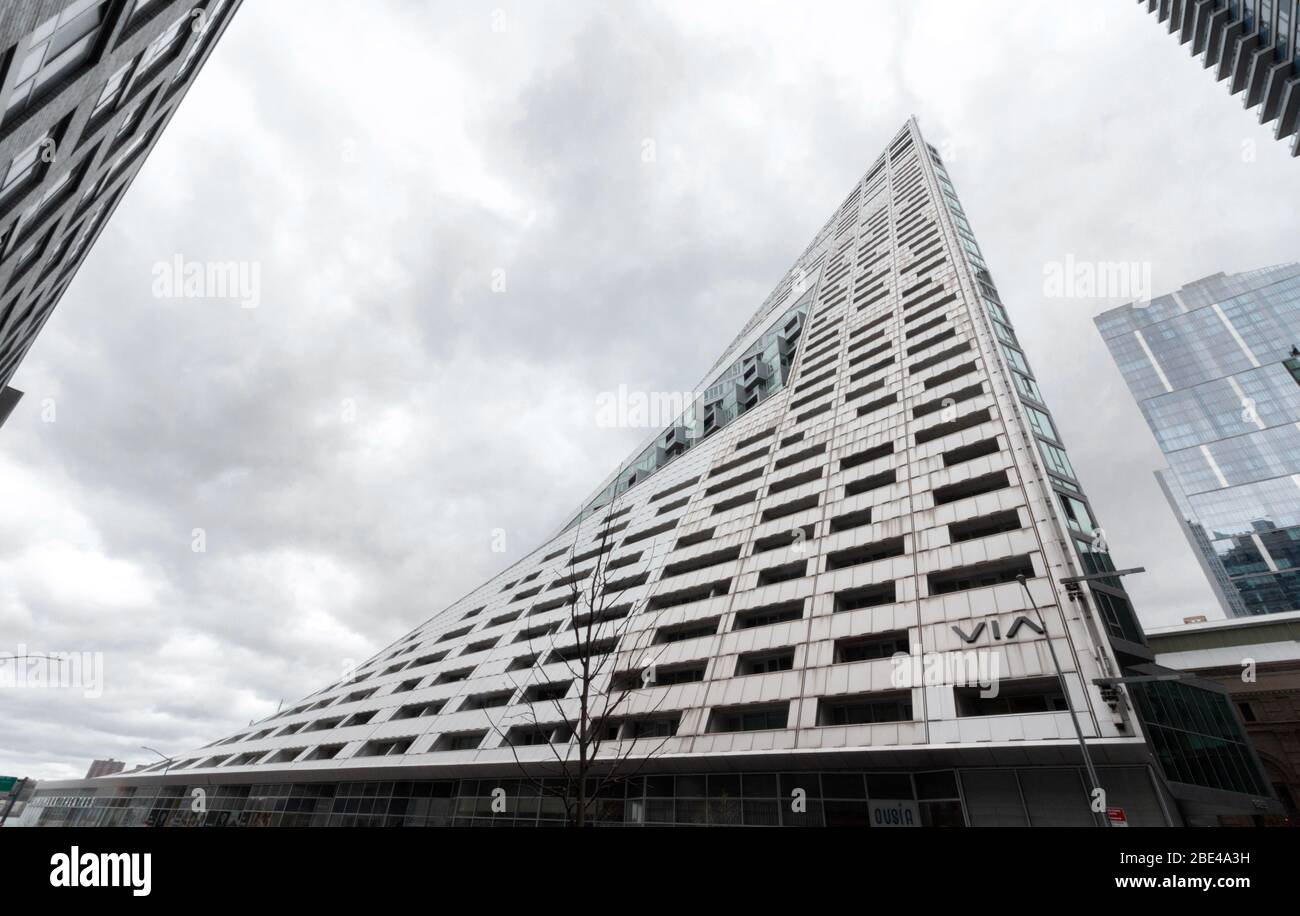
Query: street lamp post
[
  {"x": 1069, "y": 704},
  {"x": 170, "y": 760}
]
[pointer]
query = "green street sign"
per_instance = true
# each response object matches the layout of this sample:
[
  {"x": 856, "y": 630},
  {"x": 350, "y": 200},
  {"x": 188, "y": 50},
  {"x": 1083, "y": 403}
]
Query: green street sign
[{"x": 7, "y": 784}]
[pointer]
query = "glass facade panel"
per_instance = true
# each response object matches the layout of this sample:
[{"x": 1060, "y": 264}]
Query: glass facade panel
[
  {"x": 1211, "y": 368},
  {"x": 760, "y": 371},
  {"x": 1196, "y": 738}
]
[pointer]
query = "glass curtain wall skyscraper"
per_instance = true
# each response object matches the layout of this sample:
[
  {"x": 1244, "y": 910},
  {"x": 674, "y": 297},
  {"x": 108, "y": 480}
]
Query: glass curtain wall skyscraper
[
  {"x": 1252, "y": 46},
  {"x": 1215, "y": 368},
  {"x": 835, "y": 577}
]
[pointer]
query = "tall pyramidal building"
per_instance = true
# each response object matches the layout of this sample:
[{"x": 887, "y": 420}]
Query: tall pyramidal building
[{"x": 823, "y": 594}]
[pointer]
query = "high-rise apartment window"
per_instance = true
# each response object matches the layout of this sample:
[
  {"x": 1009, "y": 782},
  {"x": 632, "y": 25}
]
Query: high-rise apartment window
[
  {"x": 769, "y": 614},
  {"x": 692, "y": 629},
  {"x": 1077, "y": 515},
  {"x": 54, "y": 194},
  {"x": 765, "y": 662},
  {"x": 418, "y": 710},
  {"x": 387, "y": 748},
  {"x": 1014, "y": 698},
  {"x": 530, "y": 735},
  {"x": 130, "y": 151},
  {"x": 459, "y": 741},
  {"x": 210, "y": 15},
  {"x": 157, "y": 51},
  {"x": 1057, "y": 461},
  {"x": 654, "y": 726},
  {"x": 543, "y": 693},
  {"x": 865, "y": 709},
  {"x": 870, "y": 648},
  {"x": 57, "y": 47},
  {"x": 113, "y": 90},
  {"x": 490, "y": 700},
  {"x": 1041, "y": 423},
  {"x": 28, "y": 254},
  {"x": 980, "y": 575},
  {"x": 749, "y": 718},
  {"x": 25, "y": 165},
  {"x": 141, "y": 8}
]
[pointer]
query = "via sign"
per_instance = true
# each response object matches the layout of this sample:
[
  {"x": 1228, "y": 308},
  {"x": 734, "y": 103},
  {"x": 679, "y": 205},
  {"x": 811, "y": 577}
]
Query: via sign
[{"x": 995, "y": 630}]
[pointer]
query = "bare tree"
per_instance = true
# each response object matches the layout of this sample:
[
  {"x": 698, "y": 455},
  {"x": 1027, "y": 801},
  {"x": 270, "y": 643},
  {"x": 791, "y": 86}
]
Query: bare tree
[{"x": 589, "y": 735}]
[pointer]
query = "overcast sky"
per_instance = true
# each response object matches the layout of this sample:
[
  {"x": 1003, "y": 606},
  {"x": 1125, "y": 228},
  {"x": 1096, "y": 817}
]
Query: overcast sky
[{"x": 349, "y": 446}]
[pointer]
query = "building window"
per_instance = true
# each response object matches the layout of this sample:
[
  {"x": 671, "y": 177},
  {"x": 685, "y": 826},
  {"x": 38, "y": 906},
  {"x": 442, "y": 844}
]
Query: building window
[
  {"x": 784, "y": 573},
  {"x": 749, "y": 718},
  {"x": 870, "y": 648},
  {"x": 141, "y": 8},
  {"x": 29, "y": 253},
  {"x": 653, "y": 727},
  {"x": 531, "y": 735},
  {"x": 481, "y": 646},
  {"x": 490, "y": 700},
  {"x": 210, "y": 16},
  {"x": 325, "y": 752},
  {"x": 162, "y": 47},
  {"x": 868, "y": 596},
  {"x": 419, "y": 710},
  {"x": 656, "y": 676},
  {"x": 984, "y": 526},
  {"x": 459, "y": 741},
  {"x": 131, "y": 120},
  {"x": 1196, "y": 738},
  {"x": 1013, "y": 698},
  {"x": 974, "y": 486},
  {"x": 25, "y": 165},
  {"x": 542, "y": 693},
  {"x": 693, "y": 629},
  {"x": 54, "y": 50},
  {"x": 53, "y": 195},
  {"x": 113, "y": 90},
  {"x": 387, "y": 748},
  {"x": 980, "y": 575},
  {"x": 1056, "y": 459},
  {"x": 769, "y": 614},
  {"x": 523, "y": 663},
  {"x": 131, "y": 150},
  {"x": 765, "y": 662},
  {"x": 454, "y": 634},
  {"x": 1077, "y": 515},
  {"x": 865, "y": 709},
  {"x": 1041, "y": 423}
]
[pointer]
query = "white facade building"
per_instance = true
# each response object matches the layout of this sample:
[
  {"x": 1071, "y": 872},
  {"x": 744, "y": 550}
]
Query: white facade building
[{"x": 819, "y": 562}]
